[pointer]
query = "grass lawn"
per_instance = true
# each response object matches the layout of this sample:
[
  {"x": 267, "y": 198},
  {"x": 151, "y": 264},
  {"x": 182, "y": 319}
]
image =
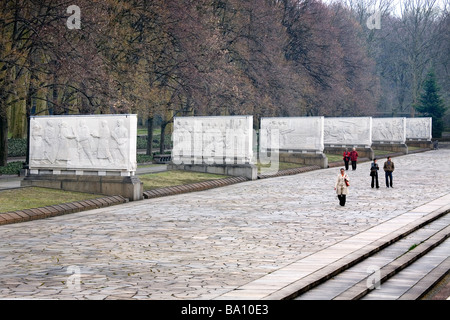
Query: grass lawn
[
  {"x": 281, "y": 166},
  {"x": 334, "y": 157},
  {"x": 32, "y": 197},
  {"x": 414, "y": 148},
  {"x": 381, "y": 152},
  {"x": 175, "y": 178}
]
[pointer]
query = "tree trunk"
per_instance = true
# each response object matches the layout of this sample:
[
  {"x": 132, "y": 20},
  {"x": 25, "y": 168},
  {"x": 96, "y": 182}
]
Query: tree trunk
[
  {"x": 149, "y": 136},
  {"x": 161, "y": 142},
  {"x": 3, "y": 139}
]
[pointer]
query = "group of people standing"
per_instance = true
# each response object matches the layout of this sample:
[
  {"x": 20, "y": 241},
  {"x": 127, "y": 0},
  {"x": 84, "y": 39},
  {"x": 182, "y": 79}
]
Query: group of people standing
[
  {"x": 343, "y": 181},
  {"x": 350, "y": 156},
  {"x": 388, "y": 168}
]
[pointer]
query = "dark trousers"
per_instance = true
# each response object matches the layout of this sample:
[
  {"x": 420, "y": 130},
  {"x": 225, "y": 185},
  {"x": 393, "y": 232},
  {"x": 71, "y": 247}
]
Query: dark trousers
[
  {"x": 346, "y": 164},
  {"x": 375, "y": 181},
  {"x": 388, "y": 175},
  {"x": 342, "y": 198},
  {"x": 353, "y": 165}
]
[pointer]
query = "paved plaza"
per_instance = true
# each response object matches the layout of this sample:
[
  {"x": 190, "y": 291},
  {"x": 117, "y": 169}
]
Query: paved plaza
[{"x": 202, "y": 245}]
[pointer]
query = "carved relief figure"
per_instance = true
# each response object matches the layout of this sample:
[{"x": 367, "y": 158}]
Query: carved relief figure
[
  {"x": 37, "y": 151},
  {"x": 103, "y": 149},
  {"x": 120, "y": 135},
  {"x": 213, "y": 141},
  {"x": 285, "y": 130},
  {"x": 65, "y": 135},
  {"x": 182, "y": 140},
  {"x": 84, "y": 141},
  {"x": 51, "y": 141}
]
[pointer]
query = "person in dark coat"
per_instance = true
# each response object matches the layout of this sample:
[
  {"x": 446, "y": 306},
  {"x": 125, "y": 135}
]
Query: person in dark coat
[
  {"x": 374, "y": 174},
  {"x": 346, "y": 158},
  {"x": 388, "y": 169}
]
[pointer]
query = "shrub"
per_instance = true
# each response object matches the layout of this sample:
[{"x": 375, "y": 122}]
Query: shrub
[
  {"x": 142, "y": 158},
  {"x": 17, "y": 147},
  {"x": 12, "y": 168}
]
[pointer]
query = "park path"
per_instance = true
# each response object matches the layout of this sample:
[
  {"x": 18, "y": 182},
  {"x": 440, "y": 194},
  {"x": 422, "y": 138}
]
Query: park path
[{"x": 202, "y": 245}]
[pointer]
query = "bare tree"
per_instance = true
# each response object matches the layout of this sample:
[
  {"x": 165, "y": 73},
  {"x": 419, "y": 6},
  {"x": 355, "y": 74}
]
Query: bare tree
[{"x": 417, "y": 37}]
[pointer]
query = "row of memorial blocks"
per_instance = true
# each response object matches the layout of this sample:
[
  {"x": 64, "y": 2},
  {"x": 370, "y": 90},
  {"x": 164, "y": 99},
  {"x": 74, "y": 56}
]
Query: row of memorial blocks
[
  {"x": 219, "y": 137},
  {"x": 105, "y": 145}
]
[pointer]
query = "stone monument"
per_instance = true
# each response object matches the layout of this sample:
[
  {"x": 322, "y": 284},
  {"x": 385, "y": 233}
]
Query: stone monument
[
  {"x": 348, "y": 132},
  {"x": 214, "y": 144},
  {"x": 389, "y": 134},
  {"x": 86, "y": 153},
  {"x": 297, "y": 139},
  {"x": 418, "y": 132}
]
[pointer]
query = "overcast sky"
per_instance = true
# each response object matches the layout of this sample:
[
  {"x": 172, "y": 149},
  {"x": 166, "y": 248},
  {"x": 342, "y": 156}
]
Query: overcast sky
[{"x": 396, "y": 3}]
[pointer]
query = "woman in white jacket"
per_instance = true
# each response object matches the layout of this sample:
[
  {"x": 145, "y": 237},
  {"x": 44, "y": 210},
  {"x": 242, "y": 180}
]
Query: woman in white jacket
[{"x": 341, "y": 186}]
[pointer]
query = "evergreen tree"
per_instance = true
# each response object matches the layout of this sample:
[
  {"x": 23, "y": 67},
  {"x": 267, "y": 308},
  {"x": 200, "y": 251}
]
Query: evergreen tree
[{"x": 432, "y": 105}]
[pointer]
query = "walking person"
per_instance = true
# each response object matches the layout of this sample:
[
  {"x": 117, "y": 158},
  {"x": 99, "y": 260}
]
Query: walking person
[
  {"x": 374, "y": 173},
  {"x": 341, "y": 186},
  {"x": 346, "y": 158},
  {"x": 354, "y": 158},
  {"x": 388, "y": 169}
]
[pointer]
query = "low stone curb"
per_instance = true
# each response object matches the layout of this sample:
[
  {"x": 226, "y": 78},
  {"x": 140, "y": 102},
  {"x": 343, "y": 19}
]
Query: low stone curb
[
  {"x": 59, "y": 209},
  {"x": 287, "y": 172},
  {"x": 198, "y": 186}
]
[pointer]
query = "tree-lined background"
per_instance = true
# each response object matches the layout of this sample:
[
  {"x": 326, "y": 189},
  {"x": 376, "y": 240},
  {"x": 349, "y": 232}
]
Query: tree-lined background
[{"x": 163, "y": 58}]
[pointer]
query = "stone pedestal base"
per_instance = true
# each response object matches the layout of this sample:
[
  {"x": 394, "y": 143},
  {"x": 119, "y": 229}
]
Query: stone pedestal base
[
  {"x": 309, "y": 159},
  {"x": 394, "y": 147},
  {"x": 249, "y": 171},
  {"x": 363, "y": 152},
  {"x": 425, "y": 144},
  {"x": 128, "y": 187}
]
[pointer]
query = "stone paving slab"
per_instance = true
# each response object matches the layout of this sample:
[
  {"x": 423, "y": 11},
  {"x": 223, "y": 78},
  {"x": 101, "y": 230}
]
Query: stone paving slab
[{"x": 203, "y": 245}]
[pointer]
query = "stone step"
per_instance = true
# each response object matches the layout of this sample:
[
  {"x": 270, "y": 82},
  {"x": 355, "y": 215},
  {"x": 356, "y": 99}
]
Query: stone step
[
  {"x": 415, "y": 281},
  {"x": 360, "y": 278},
  {"x": 362, "y": 288}
]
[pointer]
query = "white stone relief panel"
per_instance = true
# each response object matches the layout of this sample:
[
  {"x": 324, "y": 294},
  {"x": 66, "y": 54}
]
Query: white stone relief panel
[
  {"x": 221, "y": 139},
  {"x": 295, "y": 133},
  {"x": 389, "y": 130},
  {"x": 348, "y": 131},
  {"x": 419, "y": 128},
  {"x": 79, "y": 142}
]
